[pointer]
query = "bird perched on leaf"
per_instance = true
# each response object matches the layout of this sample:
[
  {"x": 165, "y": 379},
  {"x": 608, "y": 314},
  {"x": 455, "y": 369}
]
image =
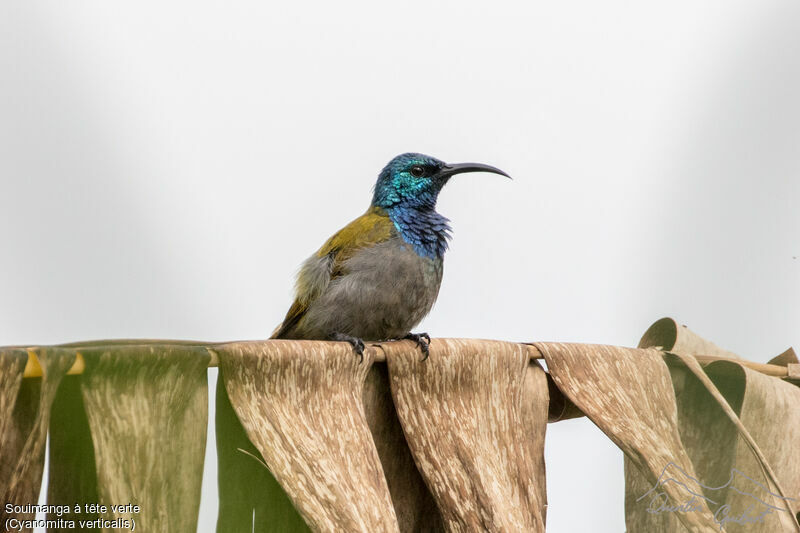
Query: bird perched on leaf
[{"x": 379, "y": 276}]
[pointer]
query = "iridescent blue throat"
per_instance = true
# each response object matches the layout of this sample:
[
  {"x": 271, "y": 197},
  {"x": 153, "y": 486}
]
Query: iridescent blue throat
[{"x": 424, "y": 229}]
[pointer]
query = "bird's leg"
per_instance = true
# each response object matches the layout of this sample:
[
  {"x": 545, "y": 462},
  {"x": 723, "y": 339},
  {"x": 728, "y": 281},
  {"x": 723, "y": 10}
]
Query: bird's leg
[
  {"x": 355, "y": 342},
  {"x": 423, "y": 341}
]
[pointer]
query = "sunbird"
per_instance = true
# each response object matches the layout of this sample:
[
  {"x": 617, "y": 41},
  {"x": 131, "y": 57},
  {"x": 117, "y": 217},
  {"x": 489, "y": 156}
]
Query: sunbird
[{"x": 379, "y": 276}]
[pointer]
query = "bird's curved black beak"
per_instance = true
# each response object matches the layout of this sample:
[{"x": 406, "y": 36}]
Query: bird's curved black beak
[{"x": 461, "y": 168}]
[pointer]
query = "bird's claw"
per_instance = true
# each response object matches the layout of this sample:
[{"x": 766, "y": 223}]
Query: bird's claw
[
  {"x": 355, "y": 342},
  {"x": 423, "y": 341}
]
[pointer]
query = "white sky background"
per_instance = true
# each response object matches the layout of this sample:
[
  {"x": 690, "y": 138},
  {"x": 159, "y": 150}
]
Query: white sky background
[{"x": 165, "y": 168}]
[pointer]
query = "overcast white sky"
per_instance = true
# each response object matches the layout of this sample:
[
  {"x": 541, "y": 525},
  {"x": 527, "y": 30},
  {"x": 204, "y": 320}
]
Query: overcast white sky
[{"x": 166, "y": 166}]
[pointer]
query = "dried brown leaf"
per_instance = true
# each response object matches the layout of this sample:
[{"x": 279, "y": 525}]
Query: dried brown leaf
[
  {"x": 474, "y": 414},
  {"x": 301, "y": 405},
  {"x": 27, "y": 428},
  {"x": 628, "y": 393}
]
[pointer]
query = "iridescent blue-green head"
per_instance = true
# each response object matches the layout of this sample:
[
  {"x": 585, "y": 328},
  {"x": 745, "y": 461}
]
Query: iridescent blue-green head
[
  {"x": 413, "y": 181},
  {"x": 407, "y": 189}
]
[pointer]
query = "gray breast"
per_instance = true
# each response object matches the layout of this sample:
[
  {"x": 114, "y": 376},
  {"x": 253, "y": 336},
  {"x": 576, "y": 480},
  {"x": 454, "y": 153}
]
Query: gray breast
[{"x": 386, "y": 290}]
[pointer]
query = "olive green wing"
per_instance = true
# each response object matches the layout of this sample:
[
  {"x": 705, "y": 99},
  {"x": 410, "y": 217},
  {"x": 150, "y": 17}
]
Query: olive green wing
[{"x": 371, "y": 228}]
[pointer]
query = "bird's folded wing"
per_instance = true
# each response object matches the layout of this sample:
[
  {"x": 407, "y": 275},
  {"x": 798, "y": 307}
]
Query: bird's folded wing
[{"x": 371, "y": 228}]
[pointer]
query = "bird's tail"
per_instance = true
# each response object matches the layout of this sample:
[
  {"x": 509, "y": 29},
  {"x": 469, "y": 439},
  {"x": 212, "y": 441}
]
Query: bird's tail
[{"x": 277, "y": 332}]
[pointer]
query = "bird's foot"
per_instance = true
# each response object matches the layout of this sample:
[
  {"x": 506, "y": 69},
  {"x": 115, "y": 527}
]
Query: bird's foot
[
  {"x": 355, "y": 342},
  {"x": 423, "y": 341}
]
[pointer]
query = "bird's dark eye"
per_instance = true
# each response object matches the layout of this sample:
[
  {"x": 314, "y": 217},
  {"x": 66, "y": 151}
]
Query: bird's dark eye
[{"x": 417, "y": 171}]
